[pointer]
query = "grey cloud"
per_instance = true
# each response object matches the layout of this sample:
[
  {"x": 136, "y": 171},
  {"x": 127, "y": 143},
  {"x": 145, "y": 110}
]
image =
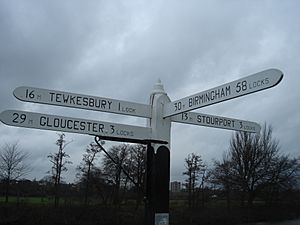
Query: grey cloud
[{"x": 118, "y": 49}]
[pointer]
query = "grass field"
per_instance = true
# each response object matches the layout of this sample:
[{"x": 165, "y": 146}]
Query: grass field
[{"x": 38, "y": 200}]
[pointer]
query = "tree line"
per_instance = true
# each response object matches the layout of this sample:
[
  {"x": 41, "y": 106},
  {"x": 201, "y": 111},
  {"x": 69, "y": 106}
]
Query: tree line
[
  {"x": 121, "y": 173},
  {"x": 253, "y": 168}
]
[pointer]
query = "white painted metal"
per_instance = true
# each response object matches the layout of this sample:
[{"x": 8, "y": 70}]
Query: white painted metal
[
  {"x": 60, "y": 98},
  {"x": 247, "y": 85},
  {"x": 73, "y": 125},
  {"x": 161, "y": 128},
  {"x": 202, "y": 119}
]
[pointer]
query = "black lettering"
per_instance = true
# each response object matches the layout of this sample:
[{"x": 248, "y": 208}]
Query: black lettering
[
  {"x": 222, "y": 92},
  {"x": 207, "y": 120},
  {"x": 98, "y": 103},
  {"x": 201, "y": 99},
  {"x": 190, "y": 102},
  {"x": 103, "y": 104},
  {"x": 207, "y": 97},
  {"x": 101, "y": 127},
  {"x": 82, "y": 125},
  {"x": 217, "y": 94},
  {"x": 112, "y": 129},
  {"x": 220, "y": 121},
  {"x": 227, "y": 123},
  {"x": 58, "y": 97},
  {"x": 95, "y": 127},
  {"x": 244, "y": 85},
  {"x": 51, "y": 96},
  {"x": 15, "y": 120},
  {"x": 78, "y": 100},
  {"x": 184, "y": 116},
  {"x": 267, "y": 80},
  {"x": 63, "y": 123},
  {"x": 89, "y": 126},
  {"x": 56, "y": 122},
  {"x": 65, "y": 98},
  {"x": 75, "y": 125},
  {"x": 48, "y": 122},
  {"x": 42, "y": 120},
  {"x": 109, "y": 104},
  {"x": 228, "y": 92},
  {"x": 91, "y": 102},
  {"x": 72, "y": 99},
  {"x": 198, "y": 118},
  {"x": 85, "y": 101},
  {"x": 196, "y": 100},
  {"x": 212, "y": 95},
  {"x": 69, "y": 126}
]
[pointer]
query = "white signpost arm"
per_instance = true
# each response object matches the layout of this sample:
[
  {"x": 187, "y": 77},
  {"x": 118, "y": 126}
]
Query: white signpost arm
[
  {"x": 202, "y": 119},
  {"x": 66, "y": 99},
  {"x": 244, "y": 86},
  {"x": 73, "y": 125}
]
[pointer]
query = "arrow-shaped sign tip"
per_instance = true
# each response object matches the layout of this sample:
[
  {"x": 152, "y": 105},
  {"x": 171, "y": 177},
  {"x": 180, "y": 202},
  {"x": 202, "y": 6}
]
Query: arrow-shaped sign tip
[
  {"x": 278, "y": 73},
  {"x": 18, "y": 93}
]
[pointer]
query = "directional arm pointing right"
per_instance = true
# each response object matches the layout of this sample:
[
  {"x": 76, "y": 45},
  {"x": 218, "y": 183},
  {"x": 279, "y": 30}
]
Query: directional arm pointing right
[{"x": 244, "y": 86}]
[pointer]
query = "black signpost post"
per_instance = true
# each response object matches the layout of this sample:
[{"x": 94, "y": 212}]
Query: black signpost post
[
  {"x": 161, "y": 185},
  {"x": 148, "y": 194}
]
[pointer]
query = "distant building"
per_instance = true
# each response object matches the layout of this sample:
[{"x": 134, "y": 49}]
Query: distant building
[{"x": 175, "y": 186}]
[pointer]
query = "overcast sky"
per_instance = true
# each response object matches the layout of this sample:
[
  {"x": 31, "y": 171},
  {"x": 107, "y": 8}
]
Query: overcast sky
[{"x": 119, "y": 49}]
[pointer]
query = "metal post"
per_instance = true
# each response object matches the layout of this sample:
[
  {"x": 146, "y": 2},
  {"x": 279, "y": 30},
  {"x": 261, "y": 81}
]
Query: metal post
[
  {"x": 158, "y": 192},
  {"x": 149, "y": 208},
  {"x": 161, "y": 186}
]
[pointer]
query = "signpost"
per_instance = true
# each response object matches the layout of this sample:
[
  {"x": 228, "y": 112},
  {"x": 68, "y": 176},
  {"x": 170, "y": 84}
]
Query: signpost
[
  {"x": 73, "y": 125},
  {"x": 66, "y": 99},
  {"x": 216, "y": 121},
  {"x": 160, "y": 113},
  {"x": 244, "y": 86}
]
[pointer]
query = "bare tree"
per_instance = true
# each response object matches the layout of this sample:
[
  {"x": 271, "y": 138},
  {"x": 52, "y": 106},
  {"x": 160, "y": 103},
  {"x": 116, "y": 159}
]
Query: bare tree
[
  {"x": 285, "y": 175},
  {"x": 137, "y": 169},
  {"x": 194, "y": 168},
  {"x": 221, "y": 175},
  {"x": 136, "y": 164},
  {"x": 12, "y": 165},
  {"x": 59, "y": 161},
  {"x": 87, "y": 166},
  {"x": 253, "y": 158},
  {"x": 113, "y": 169},
  {"x": 253, "y": 163}
]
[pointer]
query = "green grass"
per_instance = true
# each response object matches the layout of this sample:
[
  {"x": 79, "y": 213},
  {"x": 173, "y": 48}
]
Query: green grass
[
  {"x": 29, "y": 200},
  {"x": 44, "y": 200}
]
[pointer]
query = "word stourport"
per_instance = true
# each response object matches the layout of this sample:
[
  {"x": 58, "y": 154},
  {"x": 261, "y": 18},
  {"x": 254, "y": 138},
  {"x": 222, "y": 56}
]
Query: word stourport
[
  {"x": 59, "y": 98},
  {"x": 202, "y": 119},
  {"x": 73, "y": 125}
]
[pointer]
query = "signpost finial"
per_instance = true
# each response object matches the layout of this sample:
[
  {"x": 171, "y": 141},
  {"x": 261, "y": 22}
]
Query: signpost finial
[{"x": 158, "y": 88}]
